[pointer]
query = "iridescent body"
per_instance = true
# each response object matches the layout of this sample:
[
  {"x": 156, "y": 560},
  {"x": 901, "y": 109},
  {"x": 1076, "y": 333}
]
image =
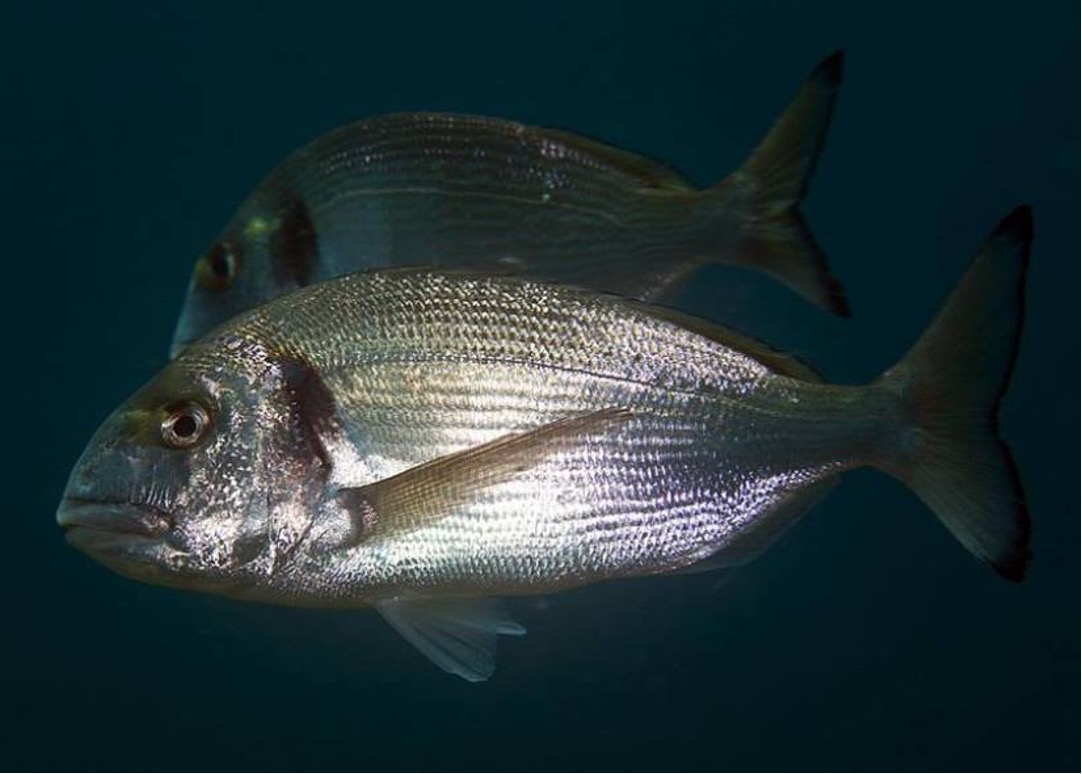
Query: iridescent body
[
  {"x": 401, "y": 438},
  {"x": 465, "y": 191},
  {"x": 423, "y": 365}
]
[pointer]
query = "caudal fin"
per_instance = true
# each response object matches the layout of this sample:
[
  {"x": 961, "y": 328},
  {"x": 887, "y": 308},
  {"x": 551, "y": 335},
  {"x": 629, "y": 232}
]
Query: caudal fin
[
  {"x": 951, "y": 383},
  {"x": 772, "y": 182}
]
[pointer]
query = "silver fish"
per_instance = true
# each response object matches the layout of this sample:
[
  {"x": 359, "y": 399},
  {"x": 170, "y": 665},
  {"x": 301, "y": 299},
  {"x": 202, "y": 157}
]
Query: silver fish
[
  {"x": 423, "y": 442},
  {"x": 455, "y": 191}
]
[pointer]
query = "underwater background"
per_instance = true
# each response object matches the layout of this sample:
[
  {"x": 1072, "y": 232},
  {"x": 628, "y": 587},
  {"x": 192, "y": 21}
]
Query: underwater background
[{"x": 867, "y": 638}]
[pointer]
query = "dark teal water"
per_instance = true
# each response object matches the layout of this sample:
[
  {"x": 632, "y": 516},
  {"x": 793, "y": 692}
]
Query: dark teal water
[{"x": 867, "y": 639}]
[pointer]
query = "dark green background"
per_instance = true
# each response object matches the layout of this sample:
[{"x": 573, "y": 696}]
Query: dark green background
[{"x": 866, "y": 639}]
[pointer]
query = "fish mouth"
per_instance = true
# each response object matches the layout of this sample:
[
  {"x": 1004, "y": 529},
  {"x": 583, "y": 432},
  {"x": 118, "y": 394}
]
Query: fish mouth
[
  {"x": 82, "y": 519},
  {"x": 128, "y": 538}
]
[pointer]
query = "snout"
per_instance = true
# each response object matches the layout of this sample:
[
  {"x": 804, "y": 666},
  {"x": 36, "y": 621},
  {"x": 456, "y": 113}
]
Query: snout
[
  {"x": 112, "y": 517},
  {"x": 127, "y": 538},
  {"x": 109, "y": 487}
]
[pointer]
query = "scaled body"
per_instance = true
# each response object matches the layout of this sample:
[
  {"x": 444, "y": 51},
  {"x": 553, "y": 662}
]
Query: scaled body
[
  {"x": 411, "y": 439},
  {"x": 426, "y": 365},
  {"x": 466, "y": 191}
]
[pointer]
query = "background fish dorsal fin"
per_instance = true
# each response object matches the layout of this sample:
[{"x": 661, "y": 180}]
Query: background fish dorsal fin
[
  {"x": 778, "y": 362},
  {"x": 652, "y": 174}
]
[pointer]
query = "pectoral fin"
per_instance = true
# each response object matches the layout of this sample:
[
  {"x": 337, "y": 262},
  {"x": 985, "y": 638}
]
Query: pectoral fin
[
  {"x": 457, "y": 635},
  {"x": 430, "y": 491}
]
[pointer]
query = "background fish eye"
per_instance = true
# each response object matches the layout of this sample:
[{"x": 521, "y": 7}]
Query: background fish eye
[
  {"x": 184, "y": 424},
  {"x": 216, "y": 269}
]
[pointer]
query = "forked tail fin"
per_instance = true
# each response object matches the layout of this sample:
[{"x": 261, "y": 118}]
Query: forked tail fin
[
  {"x": 768, "y": 188},
  {"x": 951, "y": 382}
]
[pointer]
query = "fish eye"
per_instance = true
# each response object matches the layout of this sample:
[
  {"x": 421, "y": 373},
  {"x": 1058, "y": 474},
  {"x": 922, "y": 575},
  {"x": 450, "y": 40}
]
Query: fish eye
[
  {"x": 216, "y": 269},
  {"x": 184, "y": 424}
]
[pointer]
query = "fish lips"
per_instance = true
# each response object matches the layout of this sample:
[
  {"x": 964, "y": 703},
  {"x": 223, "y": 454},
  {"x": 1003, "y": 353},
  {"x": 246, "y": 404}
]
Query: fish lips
[{"x": 103, "y": 529}]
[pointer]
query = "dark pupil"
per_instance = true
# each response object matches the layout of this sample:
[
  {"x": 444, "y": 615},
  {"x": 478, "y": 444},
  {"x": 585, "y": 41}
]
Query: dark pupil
[
  {"x": 219, "y": 263},
  {"x": 185, "y": 426}
]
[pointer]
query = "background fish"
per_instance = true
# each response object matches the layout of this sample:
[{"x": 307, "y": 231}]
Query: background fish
[
  {"x": 456, "y": 190},
  {"x": 421, "y": 442}
]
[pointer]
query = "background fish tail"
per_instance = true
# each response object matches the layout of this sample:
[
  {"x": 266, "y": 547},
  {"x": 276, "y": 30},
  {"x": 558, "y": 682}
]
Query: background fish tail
[
  {"x": 948, "y": 449},
  {"x": 767, "y": 190}
]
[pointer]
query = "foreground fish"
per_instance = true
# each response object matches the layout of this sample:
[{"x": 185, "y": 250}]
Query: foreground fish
[
  {"x": 453, "y": 190},
  {"x": 420, "y": 442}
]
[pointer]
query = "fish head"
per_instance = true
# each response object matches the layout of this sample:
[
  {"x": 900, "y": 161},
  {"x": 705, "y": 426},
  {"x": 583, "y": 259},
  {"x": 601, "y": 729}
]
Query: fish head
[
  {"x": 226, "y": 280},
  {"x": 201, "y": 480},
  {"x": 269, "y": 248}
]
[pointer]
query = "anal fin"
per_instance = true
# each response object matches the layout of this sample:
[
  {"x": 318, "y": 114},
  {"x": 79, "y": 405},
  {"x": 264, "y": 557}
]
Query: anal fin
[
  {"x": 754, "y": 540},
  {"x": 459, "y": 635}
]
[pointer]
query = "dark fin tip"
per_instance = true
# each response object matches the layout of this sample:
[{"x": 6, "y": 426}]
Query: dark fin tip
[
  {"x": 1018, "y": 226},
  {"x": 832, "y": 68},
  {"x": 839, "y": 302},
  {"x": 836, "y": 301},
  {"x": 1013, "y": 566}
]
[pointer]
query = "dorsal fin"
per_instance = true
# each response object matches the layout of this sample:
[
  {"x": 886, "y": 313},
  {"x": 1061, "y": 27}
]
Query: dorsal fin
[
  {"x": 652, "y": 174},
  {"x": 778, "y": 362}
]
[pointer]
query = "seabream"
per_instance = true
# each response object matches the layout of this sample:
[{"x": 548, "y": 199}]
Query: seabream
[
  {"x": 455, "y": 191},
  {"x": 424, "y": 442}
]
